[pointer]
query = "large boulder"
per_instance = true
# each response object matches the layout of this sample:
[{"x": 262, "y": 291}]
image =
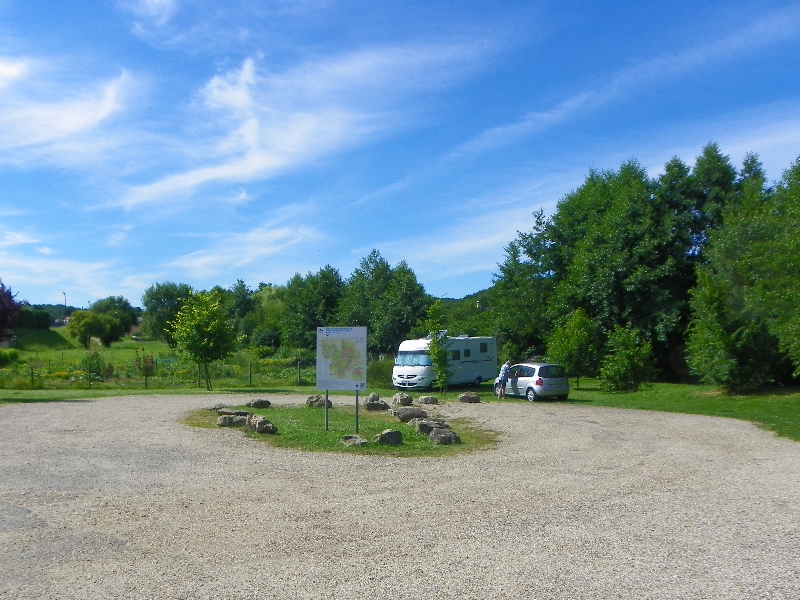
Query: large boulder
[
  {"x": 427, "y": 425},
  {"x": 259, "y": 403},
  {"x": 231, "y": 421},
  {"x": 428, "y": 400},
  {"x": 354, "y": 440},
  {"x": 406, "y": 413},
  {"x": 376, "y": 403},
  {"x": 470, "y": 397},
  {"x": 389, "y": 437},
  {"x": 401, "y": 399},
  {"x": 444, "y": 437},
  {"x": 317, "y": 401},
  {"x": 259, "y": 424},
  {"x": 230, "y": 411}
]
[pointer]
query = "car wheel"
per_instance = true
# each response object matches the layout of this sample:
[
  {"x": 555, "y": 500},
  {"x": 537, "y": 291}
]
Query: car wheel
[
  {"x": 497, "y": 390},
  {"x": 478, "y": 381},
  {"x": 530, "y": 394}
]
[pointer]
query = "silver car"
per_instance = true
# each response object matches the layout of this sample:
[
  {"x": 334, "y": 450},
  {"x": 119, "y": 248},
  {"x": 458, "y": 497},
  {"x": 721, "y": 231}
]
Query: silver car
[{"x": 534, "y": 381}]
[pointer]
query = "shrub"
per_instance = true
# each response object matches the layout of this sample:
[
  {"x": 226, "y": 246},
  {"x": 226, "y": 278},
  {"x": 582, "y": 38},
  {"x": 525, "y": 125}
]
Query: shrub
[
  {"x": 31, "y": 318},
  {"x": 627, "y": 364},
  {"x": 8, "y": 356},
  {"x": 379, "y": 373}
]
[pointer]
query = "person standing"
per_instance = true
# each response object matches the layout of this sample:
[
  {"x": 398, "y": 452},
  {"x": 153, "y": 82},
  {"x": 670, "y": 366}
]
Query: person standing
[{"x": 503, "y": 378}]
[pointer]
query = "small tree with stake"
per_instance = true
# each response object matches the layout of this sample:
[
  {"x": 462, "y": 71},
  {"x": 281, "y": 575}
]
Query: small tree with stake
[
  {"x": 434, "y": 324},
  {"x": 202, "y": 330}
]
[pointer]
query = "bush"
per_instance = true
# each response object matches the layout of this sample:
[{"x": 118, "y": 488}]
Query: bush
[
  {"x": 29, "y": 318},
  {"x": 627, "y": 364},
  {"x": 8, "y": 356},
  {"x": 379, "y": 373}
]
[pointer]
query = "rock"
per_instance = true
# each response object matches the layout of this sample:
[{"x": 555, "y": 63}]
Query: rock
[
  {"x": 229, "y": 411},
  {"x": 231, "y": 421},
  {"x": 428, "y": 425},
  {"x": 428, "y": 400},
  {"x": 259, "y": 424},
  {"x": 470, "y": 397},
  {"x": 317, "y": 401},
  {"x": 354, "y": 440},
  {"x": 444, "y": 437},
  {"x": 401, "y": 399},
  {"x": 374, "y": 402},
  {"x": 216, "y": 407},
  {"x": 389, "y": 437},
  {"x": 259, "y": 403},
  {"x": 406, "y": 413}
]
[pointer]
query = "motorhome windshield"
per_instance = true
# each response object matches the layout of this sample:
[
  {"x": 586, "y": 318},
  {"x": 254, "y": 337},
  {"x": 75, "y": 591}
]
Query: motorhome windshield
[{"x": 412, "y": 359}]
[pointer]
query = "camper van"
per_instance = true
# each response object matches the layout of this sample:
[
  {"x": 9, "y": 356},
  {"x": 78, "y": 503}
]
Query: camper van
[{"x": 472, "y": 360}]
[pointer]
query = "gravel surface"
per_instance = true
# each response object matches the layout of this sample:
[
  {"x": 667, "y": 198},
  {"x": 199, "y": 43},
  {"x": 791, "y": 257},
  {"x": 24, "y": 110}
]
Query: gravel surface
[{"x": 113, "y": 498}]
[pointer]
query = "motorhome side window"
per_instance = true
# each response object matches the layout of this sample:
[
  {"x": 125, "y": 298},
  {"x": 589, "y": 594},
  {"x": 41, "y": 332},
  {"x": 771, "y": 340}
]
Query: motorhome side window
[
  {"x": 467, "y": 353},
  {"x": 455, "y": 355},
  {"x": 484, "y": 347}
]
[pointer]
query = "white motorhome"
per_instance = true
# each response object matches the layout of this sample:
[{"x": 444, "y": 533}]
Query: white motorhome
[{"x": 472, "y": 359}]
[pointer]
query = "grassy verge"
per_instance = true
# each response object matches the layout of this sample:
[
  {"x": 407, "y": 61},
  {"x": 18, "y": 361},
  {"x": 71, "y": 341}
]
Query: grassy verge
[
  {"x": 303, "y": 428},
  {"x": 777, "y": 410}
]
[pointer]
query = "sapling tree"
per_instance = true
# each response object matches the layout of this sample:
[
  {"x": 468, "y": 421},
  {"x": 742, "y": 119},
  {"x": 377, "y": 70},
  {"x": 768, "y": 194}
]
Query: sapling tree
[
  {"x": 203, "y": 331},
  {"x": 434, "y": 325}
]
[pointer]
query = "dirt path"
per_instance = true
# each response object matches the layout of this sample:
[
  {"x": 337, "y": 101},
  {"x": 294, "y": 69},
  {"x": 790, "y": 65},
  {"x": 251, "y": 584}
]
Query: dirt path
[{"x": 113, "y": 498}]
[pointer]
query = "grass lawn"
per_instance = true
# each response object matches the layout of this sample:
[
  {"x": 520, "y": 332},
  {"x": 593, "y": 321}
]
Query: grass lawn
[
  {"x": 775, "y": 409},
  {"x": 303, "y": 428}
]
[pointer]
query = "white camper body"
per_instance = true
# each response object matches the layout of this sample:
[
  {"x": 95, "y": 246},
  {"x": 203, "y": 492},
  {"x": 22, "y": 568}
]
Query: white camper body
[{"x": 472, "y": 359}]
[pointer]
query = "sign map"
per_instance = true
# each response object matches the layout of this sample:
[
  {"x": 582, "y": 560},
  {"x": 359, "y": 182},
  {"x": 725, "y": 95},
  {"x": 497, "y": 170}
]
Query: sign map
[{"x": 341, "y": 358}]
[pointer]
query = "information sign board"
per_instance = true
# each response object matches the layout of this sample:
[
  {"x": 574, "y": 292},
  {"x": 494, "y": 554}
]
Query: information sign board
[{"x": 341, "y": 358}]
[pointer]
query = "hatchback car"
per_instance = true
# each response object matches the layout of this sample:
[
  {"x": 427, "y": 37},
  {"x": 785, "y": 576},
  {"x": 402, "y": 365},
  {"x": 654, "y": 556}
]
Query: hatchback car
[{"x": 534, "y": 381}]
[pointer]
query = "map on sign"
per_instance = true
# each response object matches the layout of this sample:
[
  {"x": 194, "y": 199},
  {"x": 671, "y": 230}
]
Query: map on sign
[{"x": 341, "y": 358}]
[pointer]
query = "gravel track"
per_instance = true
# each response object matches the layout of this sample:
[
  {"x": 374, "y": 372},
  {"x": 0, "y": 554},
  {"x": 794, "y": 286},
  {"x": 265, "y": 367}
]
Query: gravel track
[{"x": 113, "y": 498}]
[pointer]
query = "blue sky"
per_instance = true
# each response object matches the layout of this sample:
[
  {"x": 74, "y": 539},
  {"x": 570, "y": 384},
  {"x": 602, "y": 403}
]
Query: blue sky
[{"x": 144, "y": 141}]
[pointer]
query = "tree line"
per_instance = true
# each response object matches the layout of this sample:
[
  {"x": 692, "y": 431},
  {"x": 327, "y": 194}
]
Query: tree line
[{"x": 692, "y": 273}]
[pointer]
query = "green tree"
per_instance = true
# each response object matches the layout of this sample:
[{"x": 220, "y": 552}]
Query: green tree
[
  {"x": 309, "y": 302},
  {"x": 9, "y": 309},
  {"x": 203, "y": 330},
  {"x": 743, "y": 306},
  {"x": 520, "y": 292},
  {"x": 434, "y": 325},
  {"x": 161, "y": 303},
  {"x": 572, "y": 346},
  {"x": 84, "y": 325},
  {"x": 626, "y": 364},
  {"x": 388, "y": 301},
  {"x": 264, "y": 322}
]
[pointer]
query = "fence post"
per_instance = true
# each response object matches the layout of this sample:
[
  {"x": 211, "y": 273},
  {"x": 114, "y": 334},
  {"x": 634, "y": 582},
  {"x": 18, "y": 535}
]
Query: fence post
[
  {"x": 250, "y": 374},
  {"x": 298, "y": 372}
]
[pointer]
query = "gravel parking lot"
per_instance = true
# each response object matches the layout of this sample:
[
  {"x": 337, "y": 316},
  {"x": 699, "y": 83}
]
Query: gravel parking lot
[{"x": 114, "y": 498}]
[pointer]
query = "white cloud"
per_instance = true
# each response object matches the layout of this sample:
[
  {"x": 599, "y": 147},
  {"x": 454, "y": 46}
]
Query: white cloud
[
  {"x": 237, "y": 250},
  {"x": 11, "y": 70},
  {"x": 13, "y": 238},
  {"x": 28, "y": 121},
  {"x": 265, "y": 123},
  {"x": 155, "y": 11},
  {"x": 84, "y": 280},
  {"x": 773, "y": 28}
]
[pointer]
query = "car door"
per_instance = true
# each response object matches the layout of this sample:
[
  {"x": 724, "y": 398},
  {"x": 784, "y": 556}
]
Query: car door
[
  {"x": 512, "y": 388},
  {"x": 525, "y": 379}
]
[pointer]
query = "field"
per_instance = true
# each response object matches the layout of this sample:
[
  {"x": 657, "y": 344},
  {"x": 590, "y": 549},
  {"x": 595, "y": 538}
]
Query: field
[{"x": 51, "y": 367}]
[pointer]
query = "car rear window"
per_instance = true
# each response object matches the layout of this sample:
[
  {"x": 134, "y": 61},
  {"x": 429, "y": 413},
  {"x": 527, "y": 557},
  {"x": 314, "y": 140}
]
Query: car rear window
[{"x": 552, "y": 371}]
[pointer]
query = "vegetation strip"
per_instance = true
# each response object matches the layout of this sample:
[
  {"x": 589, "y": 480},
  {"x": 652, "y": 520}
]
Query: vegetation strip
[{"x": 302, "y": 428}]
